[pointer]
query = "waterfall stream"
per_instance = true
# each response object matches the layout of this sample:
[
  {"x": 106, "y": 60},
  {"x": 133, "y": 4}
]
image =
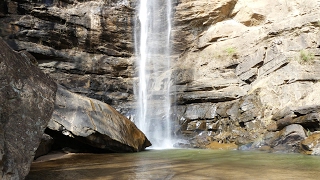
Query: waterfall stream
[{"x": 152, "y": 44}]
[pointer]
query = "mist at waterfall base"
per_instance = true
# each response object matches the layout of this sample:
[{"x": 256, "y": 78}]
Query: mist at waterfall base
[{"x": 152, "y": 48}]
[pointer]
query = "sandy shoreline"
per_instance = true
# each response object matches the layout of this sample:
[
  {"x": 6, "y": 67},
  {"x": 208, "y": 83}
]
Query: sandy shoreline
[{"x": 53, "y": 156}]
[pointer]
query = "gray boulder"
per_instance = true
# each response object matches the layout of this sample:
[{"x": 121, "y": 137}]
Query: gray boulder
[
  {"x": 288, "y": 139},
  {"x": 26, "y": 105},
  {"x": 44, "y": 146},
  {"x": 95, "y": 123}
]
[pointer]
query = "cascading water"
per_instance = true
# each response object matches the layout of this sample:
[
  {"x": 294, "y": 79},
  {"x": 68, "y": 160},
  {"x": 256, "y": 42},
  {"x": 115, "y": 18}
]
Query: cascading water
[{"x": 152, "y": 42}]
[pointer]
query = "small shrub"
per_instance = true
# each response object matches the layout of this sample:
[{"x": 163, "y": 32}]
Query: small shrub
[
  {"x": 306, "y": 57},
  {"x": 231, "y": 51}
]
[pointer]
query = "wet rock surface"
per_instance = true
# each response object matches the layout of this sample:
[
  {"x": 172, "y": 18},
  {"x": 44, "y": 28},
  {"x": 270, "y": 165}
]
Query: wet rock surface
[{"x": 26, "y": 103}]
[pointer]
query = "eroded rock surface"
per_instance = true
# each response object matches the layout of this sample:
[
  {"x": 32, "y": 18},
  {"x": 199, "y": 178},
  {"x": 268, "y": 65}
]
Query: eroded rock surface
[
  {"x": 26, "y": 103},
  {"x": 84, "y": 45},
  {"x": 311, "y": 145},
  {"x": 95, "y": 123},
  {"x": 253, "y": 71},
  {"x": 243, "y": 70},
  {"x": 45, "y": 146}
]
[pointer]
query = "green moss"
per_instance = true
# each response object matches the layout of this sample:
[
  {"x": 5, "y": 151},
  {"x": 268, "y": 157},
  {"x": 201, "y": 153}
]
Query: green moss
[
  {"x": 306, "y": 57},
  {"x": 231, "y": 51}
]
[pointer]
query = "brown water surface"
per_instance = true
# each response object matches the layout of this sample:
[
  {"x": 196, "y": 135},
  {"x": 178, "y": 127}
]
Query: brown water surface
[{"x": 184, "y": 164}]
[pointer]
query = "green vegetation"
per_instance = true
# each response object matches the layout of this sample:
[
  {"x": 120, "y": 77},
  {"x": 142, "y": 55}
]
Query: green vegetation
[
  {"x": 306, "y": 57},
  {"x": 228, "y": 54},
  {"x": 231, "y": 51},
  {"x": 308, "y": 133}
]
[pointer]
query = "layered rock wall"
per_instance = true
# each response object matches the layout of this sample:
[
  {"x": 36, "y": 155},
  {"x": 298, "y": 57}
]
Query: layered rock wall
[
  {"x": 243, "y": 71},
  {"x": 246, "y": 68},
  {"x": 84, "y": 45}
]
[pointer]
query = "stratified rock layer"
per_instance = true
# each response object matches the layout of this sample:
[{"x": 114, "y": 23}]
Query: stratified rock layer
[
  {"x": 243, "y": 70},
  {"x": 252, "y": 74},
  {"x": 84, "y": 45},
  {"x": 95, "y": 123},
  {"x": 26, "y": 103}
]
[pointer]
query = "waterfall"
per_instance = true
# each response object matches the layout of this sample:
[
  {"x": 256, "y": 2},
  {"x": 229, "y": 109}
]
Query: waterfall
[{"x": 152, "y": 42}]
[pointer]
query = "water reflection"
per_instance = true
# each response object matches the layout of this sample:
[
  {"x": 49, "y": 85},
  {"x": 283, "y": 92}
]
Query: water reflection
[{"x": 179, "y": 164}]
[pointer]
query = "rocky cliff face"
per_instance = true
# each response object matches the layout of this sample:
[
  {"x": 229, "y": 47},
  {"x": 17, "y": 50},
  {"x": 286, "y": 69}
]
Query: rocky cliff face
[
  {"x": 253, "y": 73},
  {"x": 244, "y": 71},
  {"x": 85, "y": 46}
]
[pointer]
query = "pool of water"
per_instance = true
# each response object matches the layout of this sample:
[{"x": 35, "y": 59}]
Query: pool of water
[{"x": 184, "y": 164}]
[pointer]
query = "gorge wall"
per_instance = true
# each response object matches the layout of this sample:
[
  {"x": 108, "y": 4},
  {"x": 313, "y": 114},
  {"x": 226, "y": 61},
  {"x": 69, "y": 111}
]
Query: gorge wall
[
  {"x": 245, "y": 71},
  {"x": 86, "y": 46},
  {"x": 249, "y": 73}
]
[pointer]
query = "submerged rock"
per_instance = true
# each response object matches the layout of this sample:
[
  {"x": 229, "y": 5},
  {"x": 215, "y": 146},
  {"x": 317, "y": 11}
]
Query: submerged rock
[
  {"x": 26, "y": 104},
  {"x": 222, "y": 146},
  {"x": 95, "y": 123}
]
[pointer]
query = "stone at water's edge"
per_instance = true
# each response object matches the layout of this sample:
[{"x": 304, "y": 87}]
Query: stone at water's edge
[
  {"x": 26, "y": 103},
  {"x": 221, "y": 146},
  {"x": 95, "y": 123},
  {"x": 311, "y": 145}
]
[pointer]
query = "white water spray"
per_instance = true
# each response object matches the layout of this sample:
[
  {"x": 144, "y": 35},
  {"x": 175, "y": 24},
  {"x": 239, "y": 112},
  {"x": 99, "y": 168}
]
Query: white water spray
[{"x": 152, "y": 41}]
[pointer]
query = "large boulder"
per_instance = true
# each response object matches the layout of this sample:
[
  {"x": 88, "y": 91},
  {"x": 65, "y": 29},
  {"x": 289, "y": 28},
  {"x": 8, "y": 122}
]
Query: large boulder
[
  {"x": 288, "y": 139},
  {"x": 95, "y": 123},
  {"x": 26, "y": 104}
]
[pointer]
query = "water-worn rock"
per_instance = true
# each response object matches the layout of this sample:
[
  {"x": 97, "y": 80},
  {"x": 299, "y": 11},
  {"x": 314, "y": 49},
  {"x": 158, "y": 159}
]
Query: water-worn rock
[
  {"x": 311, "y": 144},
  {"x": 95, "y": 123},
  {"x": 26, "y": 103},
  {"x": 221, "y": 146},
  {"x": 288, "y": 139}
]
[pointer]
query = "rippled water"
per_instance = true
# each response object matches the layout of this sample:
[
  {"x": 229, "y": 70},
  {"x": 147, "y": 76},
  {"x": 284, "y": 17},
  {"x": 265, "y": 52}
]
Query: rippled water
[{"x": 182, "y": 164}]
